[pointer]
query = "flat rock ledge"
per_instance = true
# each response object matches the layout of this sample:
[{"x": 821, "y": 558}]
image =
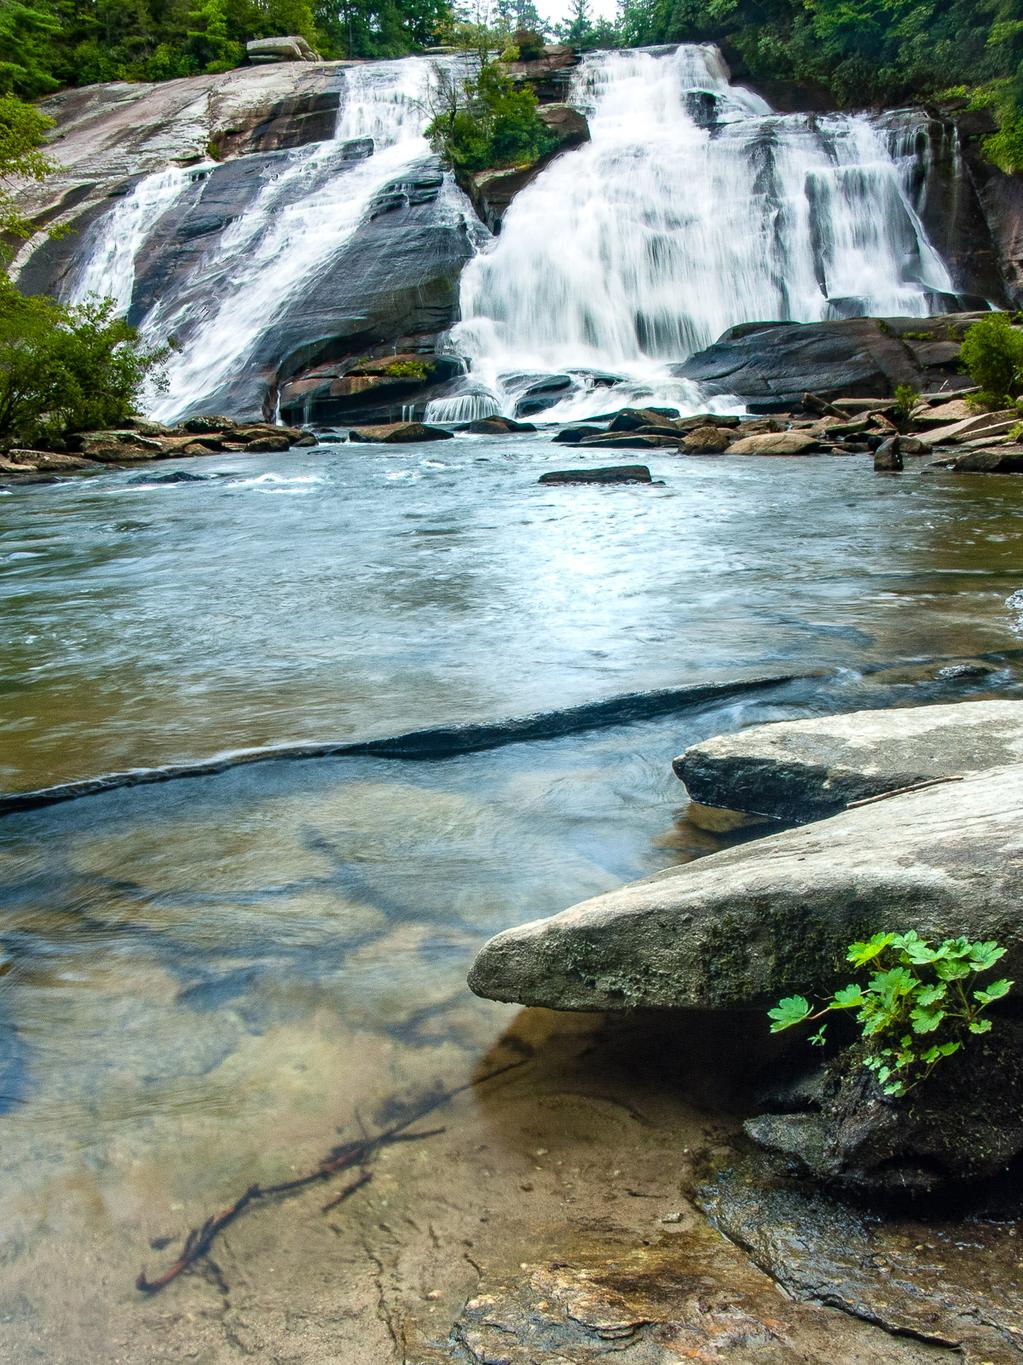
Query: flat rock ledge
[
  {"x": 744, "y": 926},
  {"x": 800, "y": 770}
]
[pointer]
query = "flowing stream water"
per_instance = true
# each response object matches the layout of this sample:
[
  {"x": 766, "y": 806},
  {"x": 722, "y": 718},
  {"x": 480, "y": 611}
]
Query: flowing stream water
[{"x": 202, "y": 980}]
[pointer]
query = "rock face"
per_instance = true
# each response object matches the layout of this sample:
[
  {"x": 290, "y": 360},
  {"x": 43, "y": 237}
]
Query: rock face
[
  {"x": 965, "y": 1124},
  {"x": 1000, "y": 196},
  {"x": 742, "y": 927},
  {"x": 491, "y": 192},
  {"x": 771, "y": 365},
  {"x": 802, "y": 770},
  {"x": 110, "y": 135}
]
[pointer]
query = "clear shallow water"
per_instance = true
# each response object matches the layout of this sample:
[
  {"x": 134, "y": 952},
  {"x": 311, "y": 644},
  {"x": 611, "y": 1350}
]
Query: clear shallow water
[
  {"x": 341, "y": 592},
  {"x": 202, "y": 980}
]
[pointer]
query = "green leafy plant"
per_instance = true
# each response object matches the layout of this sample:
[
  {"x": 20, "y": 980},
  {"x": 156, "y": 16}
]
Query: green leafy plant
[
  {"x": 406, "y": 369},
  {"x": 67, "y": 368},
  {"x": 992, "y": 355},
  {"x": 906, "y": 399},
  {"x": 486, "y": 120},
  {"x": 920, "y": 1002}
]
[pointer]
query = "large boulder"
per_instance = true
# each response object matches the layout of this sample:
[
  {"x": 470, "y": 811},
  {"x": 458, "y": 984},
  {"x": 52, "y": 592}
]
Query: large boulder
[
  {"x": 292, "y": 48},
  {"x": 775, "y": 443},
  {"x": 771, "y": 365},
  {"x": 745, "y": 926},
  {"x": 398, "y": 433},
  {"x": 799, "y": 770}
]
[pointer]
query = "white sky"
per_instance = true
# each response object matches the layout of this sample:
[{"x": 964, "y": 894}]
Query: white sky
[{"x": 555, "y": 10}]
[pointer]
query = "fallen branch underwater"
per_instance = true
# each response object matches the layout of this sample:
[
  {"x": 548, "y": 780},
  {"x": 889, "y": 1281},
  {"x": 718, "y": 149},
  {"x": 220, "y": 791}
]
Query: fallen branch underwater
[{"x": 341, "y": 1158}]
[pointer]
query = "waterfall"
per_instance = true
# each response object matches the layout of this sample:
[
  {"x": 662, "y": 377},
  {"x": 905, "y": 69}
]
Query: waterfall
[
  {"x": 693, "y": 208},
  {"x": 305, "y": 210},
  {"x": 109, "y": 269}
]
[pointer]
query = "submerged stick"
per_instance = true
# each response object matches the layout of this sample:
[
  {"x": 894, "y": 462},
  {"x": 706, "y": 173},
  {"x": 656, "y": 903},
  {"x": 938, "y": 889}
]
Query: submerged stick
[{"x": 343, "y": 1157}]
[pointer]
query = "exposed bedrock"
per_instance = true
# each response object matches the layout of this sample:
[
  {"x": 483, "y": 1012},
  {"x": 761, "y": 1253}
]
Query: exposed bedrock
[
  {"x": 741, "y": 927},
  {"x": 109, "y": 136},
  {"x": 390, "y": 288},
  {"x": 801, "y": 770},
  {"x": 770, "y": 365},
  {"x": 1000, "y": 197}
]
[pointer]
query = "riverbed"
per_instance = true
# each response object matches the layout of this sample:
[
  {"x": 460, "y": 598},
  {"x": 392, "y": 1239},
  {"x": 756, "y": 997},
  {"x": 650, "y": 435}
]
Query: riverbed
[{"x": 207, "y": 980}]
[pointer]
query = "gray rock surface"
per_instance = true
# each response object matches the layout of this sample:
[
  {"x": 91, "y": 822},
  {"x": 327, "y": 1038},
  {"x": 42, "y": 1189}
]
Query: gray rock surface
[
  {"x": 802, "y": 770},
  {"x": 770, "y": 365},
  {"x": 775, "y": 443},
  {"x": 744, "y": 926},
  {"x": 619, "y": 473}
]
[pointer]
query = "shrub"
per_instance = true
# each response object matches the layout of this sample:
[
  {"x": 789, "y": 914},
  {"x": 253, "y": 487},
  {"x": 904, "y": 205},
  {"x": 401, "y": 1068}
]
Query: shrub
[
  {"x": 992, "y": 355},
  {"x": 66, "y": 369},
  {"x": 923, "y": 1001},
  {"x": 406, "y": 369},
  {"x": 487, "y": 121},
  {"x": 906, "y": 399},
  {"x": 530, "y": 45}
]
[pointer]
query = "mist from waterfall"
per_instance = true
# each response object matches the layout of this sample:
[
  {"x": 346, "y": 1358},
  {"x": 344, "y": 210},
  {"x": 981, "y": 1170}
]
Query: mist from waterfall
[{"x": 693, "y": 208}]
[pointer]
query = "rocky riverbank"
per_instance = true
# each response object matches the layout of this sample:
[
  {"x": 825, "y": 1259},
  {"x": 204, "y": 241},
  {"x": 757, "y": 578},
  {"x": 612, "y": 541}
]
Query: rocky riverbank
[{"x": 924, "y": 807}]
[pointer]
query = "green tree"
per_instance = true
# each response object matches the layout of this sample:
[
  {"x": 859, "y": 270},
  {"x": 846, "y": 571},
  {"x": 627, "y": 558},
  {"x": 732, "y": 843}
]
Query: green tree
[
  {"x": 486, "y": 120},
  {"x": 27, "y": 35},
  {"x": 22, "y": 129}
]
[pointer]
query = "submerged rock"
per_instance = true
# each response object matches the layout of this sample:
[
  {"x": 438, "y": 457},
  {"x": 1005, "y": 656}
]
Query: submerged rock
[
  {"x": 775, "y": 916},
  {"x": 801, "y": 770},
  {"x": 399, "y": 433},
  {"x": 915, "y": 1279},
  {"x": 618, "y": 473}
]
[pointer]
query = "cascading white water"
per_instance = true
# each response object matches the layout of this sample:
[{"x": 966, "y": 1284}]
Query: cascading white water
[
  {"x": 109, "y": 269},
  {"x": 296, "y": 222},
  {"x": 693, "y": 208}
]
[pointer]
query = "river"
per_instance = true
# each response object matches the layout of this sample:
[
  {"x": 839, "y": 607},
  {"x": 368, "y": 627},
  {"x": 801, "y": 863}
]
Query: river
[{"x": 205, "y": 979}]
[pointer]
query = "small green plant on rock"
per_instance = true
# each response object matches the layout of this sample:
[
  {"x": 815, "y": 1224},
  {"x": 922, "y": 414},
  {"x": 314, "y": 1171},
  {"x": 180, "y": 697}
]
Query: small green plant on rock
[
  {"x": 406, "y": 369},
  {"x": 918, "y": 1006},
  {"x": 906, "y": 400}
]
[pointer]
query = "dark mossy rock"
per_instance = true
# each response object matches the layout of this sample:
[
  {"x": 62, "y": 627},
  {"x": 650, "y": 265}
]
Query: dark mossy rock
[
  {"x": 964, "y": 1123},
  {"x": 498, "y": 426},
  {"x": 619, "y": 473}
]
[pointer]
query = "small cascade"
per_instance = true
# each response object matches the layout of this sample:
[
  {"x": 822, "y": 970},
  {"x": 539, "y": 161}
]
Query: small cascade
[
  {"x": 109, "y": 269},
  {"x": 693, "y": 208},
  {"x": 463, "y": 407}
]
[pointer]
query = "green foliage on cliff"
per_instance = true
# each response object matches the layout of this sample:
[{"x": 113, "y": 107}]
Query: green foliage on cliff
[
  {"x": 486, "y": 120},
  {"x": 22, "y": 129}
]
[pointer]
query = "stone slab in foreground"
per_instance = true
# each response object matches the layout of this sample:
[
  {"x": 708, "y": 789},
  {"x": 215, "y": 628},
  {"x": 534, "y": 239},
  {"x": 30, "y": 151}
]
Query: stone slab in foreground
[
  {"x": 742, "y": 927},
  {"x": 802, "y": 770}
]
